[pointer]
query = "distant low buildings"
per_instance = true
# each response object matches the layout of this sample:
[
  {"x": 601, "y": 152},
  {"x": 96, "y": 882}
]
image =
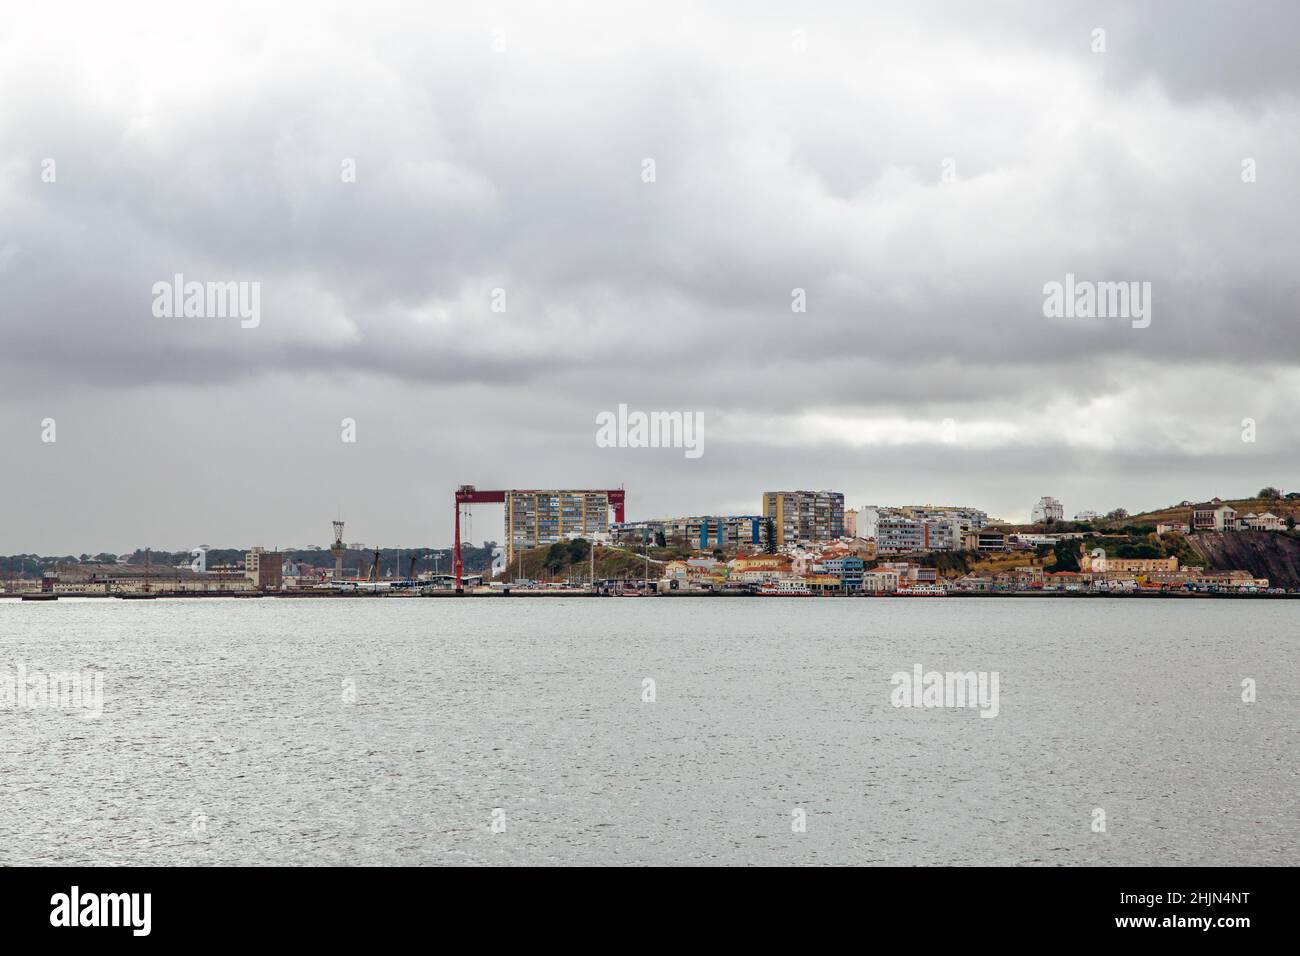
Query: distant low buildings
[
  {"x": 970, "y": 519},
  {"x": 1261, "y": 522},
  {"x": 138, "y": 579},
  {"x": 1214, "y": 515},
  {"x": 698, "y": 531},
  {"x": 1202, "y": 578},
  {"x": 1102, "y": 562}
]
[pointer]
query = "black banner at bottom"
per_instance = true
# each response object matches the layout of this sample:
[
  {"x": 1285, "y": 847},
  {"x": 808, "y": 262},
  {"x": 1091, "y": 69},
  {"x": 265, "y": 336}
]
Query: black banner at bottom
[{"x": 136, "y": 906}]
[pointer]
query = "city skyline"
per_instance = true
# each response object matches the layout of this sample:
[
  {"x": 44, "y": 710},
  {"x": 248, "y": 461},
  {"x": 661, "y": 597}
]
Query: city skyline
[
  {"x": 495, "y": 515},
  {"x": 824, "y": 236}
]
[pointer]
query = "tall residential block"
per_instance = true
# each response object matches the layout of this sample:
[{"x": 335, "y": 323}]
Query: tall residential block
[
  {"x": 799, "y": 517},
  {"x": 536, "y": 518}
]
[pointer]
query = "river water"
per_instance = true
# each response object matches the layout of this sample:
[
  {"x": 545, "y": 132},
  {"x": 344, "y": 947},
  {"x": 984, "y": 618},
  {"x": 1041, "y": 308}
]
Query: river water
[{"x": 361, "y": 731}]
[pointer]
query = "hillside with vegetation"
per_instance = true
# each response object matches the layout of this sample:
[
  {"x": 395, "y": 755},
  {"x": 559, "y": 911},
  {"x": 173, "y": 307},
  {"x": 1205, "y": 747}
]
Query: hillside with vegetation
[
  {"x": 572, "y": 561},
  {"x": 1135, "y": 542},
  {"x": 1270, "y": 499}
]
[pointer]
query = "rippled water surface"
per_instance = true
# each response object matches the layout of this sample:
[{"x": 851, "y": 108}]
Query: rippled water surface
[{"x": 228, "y": 734}]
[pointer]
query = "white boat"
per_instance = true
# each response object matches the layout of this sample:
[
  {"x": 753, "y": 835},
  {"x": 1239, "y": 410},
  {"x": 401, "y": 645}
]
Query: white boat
[
  {"x": 923, "y": 590},
  {"x": 785, "y": 589}
]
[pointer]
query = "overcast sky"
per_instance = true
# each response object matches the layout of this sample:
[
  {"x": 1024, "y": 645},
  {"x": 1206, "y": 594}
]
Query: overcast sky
[{"x": 504, "y": 148}]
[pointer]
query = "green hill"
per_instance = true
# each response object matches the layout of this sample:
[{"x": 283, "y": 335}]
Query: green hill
[{"x": 571, "y": 560}]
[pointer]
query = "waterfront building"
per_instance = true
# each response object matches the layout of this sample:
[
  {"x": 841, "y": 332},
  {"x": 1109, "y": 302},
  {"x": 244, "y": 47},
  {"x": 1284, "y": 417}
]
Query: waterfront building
[
  {"x": 265, "y": 569},
  {"x": 91, "y": 578},
  {"x": 1065, "y": 581},
  {"x": 760, "y": 568},
  {"x": 1201, "y": 577},
  {"x": 1102, "y": 563},
  {"x": 880, "y": 581},
  {"x": 800, "y": 517},
  {"x": 823, "y": 584},
  {"x": 910, "y": 573},
  {"x": 975, "y": 582},
  {"x": 847, "y": 569}
]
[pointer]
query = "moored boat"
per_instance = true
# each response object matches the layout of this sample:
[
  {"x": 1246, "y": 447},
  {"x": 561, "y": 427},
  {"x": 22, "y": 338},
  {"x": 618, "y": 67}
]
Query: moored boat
[
  {"x": 785, "y": 589},
  {"x": 922, "y": 590}
]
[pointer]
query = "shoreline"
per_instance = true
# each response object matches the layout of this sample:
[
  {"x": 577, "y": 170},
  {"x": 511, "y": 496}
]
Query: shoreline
[{"x": 39, "y": 597}]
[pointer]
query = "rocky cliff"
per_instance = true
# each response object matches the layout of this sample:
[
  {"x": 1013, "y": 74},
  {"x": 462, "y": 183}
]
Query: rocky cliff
[{"x": 1265, "y": 554}]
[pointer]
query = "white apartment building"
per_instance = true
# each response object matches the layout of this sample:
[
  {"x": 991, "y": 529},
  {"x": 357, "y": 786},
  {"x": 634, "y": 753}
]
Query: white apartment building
[
  {"x": 1214, "y": 516},
  {"x": 900, "y": 534},
  {"x": 972, "y": 519},
  {"x": 868, "y": 520},
  {"x": 1261, "y": 522},
  {"x": 1047, "y": 509}
]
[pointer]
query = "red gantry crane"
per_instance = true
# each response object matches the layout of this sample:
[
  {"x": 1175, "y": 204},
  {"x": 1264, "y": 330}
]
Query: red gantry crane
[{"x": 469, "y": 495}]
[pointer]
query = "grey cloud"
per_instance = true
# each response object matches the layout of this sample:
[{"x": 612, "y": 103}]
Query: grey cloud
[{"x": 477, "y": 170}]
